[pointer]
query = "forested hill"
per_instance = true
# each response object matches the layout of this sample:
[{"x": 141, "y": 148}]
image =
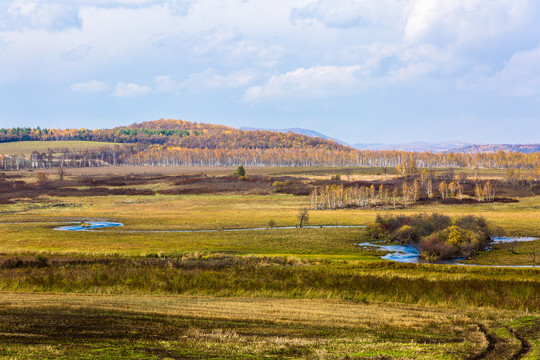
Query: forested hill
[
  {"x": 176, "y": 133},
  {"x": 478, "y": 149}
]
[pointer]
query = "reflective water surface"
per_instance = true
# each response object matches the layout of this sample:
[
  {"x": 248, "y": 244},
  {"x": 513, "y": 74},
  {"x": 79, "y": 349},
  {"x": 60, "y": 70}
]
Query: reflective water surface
[{"x": 410, "y": 254}]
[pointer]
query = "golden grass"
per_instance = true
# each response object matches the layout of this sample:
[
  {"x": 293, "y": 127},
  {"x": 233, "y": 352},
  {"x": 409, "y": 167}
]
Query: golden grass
[
  {"x": 268, "y": 328},
  {"x": 194, "y": 212},
  {"x": 182, "y": 212}
]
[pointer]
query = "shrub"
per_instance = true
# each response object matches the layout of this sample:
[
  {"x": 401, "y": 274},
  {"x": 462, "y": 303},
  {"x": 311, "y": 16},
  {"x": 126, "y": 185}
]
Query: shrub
[
  {"x": 277, "y": 185},
  {"x": 240, "y": 171},
  {"x": 42, "y": 179},
  {"x": 42, "y": 261},
  {"x": 406, "y": 235},
  {"x": 438, "y": 236}
]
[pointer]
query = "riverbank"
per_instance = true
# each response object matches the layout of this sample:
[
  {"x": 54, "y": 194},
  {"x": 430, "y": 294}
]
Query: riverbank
[{"x": 410, "y": 254}]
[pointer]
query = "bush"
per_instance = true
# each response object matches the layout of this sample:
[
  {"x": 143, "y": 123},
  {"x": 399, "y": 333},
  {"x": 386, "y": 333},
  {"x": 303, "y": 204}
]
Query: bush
[
  {"x": 437, "y": 236},
  {"x": 406, "y": 235},
  {"x": 42, "y": 179},
  {"x": 240, "y": 171},
  {"x": 42, "y": 261},
  {"x": 277, "y": 185}
]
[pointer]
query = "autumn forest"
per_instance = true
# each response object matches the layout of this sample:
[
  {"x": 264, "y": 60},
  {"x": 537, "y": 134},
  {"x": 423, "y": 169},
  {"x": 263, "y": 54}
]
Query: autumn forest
[{"x": 182, "y": 143}]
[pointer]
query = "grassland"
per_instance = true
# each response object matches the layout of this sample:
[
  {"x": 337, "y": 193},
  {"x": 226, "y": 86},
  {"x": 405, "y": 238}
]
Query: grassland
[
  {"x": 27, "y": 147},
  {"x": 139, "y": 291},
  {"x": 150, "y": 327},
  {"x": 229, "y": 211}
]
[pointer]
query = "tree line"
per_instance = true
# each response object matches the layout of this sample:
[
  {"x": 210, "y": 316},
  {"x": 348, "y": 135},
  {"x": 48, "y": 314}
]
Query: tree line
[
  {"x": 162, "y": 155},
  {"x": 338, "y": 196}
]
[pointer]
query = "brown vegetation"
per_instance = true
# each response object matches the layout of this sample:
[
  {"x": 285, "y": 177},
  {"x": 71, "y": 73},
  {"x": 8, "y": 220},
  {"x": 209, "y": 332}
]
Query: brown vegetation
[{"x": 395, "y": 192}]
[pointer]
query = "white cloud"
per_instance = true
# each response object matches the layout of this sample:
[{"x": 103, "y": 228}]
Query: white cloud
[
  {"x": 208, "y": 80},
  {"x": 179, "y": 7},
  {"x": 35, "y": 14},
  {"x": 89, "y": 86},
  {"x": 464, "y": 21},
  {"x": 130, "y": 90},
  {"x": 520, "y": 76},
  {"x": 211, "y": 80},
  {"x": 22, "y": 7},
  {"x": 350, "y": 13},
  {"x": 76, "y": 52},
  {"x": 165, "y": 84},
  {"x": 60, "y": 40},
  {"x": 314, "y": 82}
]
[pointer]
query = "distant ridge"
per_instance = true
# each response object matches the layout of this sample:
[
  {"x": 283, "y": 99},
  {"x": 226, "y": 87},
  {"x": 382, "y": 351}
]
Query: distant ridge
[
  {"x": 412, "y": 146},
  {"x": 419, "y": 146},
  {"x": 415, "y": 146},
  {"x": 475, "y": 149},
  {"x": 307, "y": 132}
]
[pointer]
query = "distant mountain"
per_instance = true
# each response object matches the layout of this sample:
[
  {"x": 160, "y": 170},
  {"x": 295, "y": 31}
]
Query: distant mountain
[
  {"x": 372, "y": 146},
  {"x": 415, "y": 146},
  {"x": 475, "y": 149},
  {"x": 411, "y": 146},
  {"x": 307, "y": 132}
]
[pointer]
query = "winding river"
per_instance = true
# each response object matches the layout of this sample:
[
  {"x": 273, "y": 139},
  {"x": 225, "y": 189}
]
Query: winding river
[
  {"x": 93, "y": 225},
  {"x": 410, "y": 254},
  {"x": 399, "y": 253}
]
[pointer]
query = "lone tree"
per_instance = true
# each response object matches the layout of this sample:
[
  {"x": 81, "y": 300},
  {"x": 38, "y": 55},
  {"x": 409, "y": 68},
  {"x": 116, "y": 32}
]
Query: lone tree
[
  {"x": 240, "y": 171},
  {"x": 303, "y": 217},
  {"x": 61, "y": 173}
]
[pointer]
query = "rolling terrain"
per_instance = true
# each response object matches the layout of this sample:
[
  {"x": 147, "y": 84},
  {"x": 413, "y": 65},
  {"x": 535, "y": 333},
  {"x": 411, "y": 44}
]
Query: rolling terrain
[
  {"x": 212, "y": 263},
  {"x": 159, "y": 287}
]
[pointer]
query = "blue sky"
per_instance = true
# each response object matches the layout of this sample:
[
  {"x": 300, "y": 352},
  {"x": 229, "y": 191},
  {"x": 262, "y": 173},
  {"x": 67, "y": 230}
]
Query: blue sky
[{"x": 359, "y": 70}]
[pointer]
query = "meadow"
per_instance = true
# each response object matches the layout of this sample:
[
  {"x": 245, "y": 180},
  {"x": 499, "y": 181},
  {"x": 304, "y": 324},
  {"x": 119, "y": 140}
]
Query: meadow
[{"x": 144, "y": 291}]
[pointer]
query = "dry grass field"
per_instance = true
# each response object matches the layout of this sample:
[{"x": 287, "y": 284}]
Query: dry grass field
[{"x": 173, "y": 327}]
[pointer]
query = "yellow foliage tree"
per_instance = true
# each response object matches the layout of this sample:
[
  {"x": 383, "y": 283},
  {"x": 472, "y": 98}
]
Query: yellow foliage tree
[{"x": 454, "y": 235}]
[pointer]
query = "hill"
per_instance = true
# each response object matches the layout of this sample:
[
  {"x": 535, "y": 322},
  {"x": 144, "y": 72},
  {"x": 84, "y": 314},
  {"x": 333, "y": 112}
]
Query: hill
[
  {"x": 177, "y": 133},
  {"x": 477, "y": 149},
  {"x": 307, "y": 132}
]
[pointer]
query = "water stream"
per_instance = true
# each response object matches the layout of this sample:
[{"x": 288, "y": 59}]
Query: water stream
[
  {"x": 410, "y": 254},
  {"x": 399, "y": 253},
  {"x": 93, "y": 225}
]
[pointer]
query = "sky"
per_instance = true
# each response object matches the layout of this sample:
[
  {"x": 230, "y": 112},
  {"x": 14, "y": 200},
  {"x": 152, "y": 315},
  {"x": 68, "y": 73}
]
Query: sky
[{"x": 362, "y": 71}]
